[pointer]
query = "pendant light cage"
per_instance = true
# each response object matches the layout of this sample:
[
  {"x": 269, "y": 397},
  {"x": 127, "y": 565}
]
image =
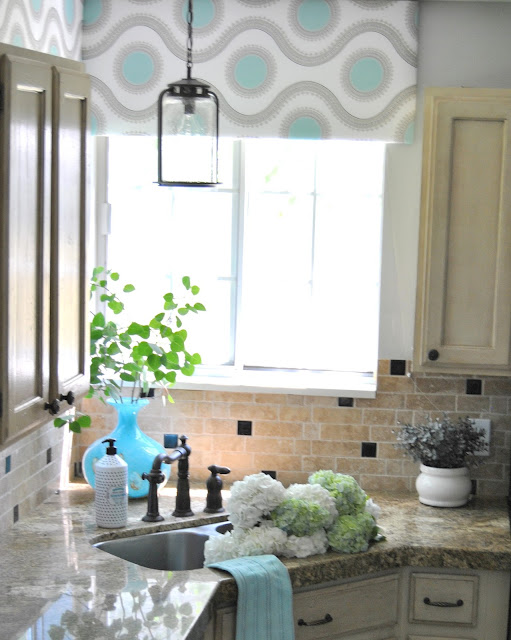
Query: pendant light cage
[{"x": 188, "y": 128}]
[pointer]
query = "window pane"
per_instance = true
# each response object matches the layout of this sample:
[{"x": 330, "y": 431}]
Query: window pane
[{"x": 159, "y": 234}]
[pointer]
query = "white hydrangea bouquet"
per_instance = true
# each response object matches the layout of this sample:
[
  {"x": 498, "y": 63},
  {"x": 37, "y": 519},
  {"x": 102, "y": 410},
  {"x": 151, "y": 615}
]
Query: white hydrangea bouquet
[{"x": 331, "y": 512}]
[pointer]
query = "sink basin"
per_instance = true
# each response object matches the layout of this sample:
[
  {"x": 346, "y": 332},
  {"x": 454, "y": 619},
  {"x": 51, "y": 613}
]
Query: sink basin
[{"x": 178, "y": 550}]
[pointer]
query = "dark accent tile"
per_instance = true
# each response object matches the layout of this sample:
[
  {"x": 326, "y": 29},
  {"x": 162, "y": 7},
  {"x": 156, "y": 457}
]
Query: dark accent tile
[
  {"x": 244, "y": 427},
  {"x": 7, "y": 464},
  {"x": 48, "y": 455},
  {"x": 473, "y": 491},
  {"x": 398, "y": 367},
  {"x": 170, "y": 440},
  {"x": 474, "y": 387},
  {"x": 149, "y": 394},
  {"x": 272, "y": 474},
  {"x": 78, "y": 472},
  {"x": 368, "y": 449},
  {"x": 345, "y": 402},
  {"x": 16, "y": 513}
]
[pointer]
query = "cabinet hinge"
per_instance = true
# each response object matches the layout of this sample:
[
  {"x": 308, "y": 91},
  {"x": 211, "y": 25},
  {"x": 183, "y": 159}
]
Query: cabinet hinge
[{"x": 1, "y": 97}]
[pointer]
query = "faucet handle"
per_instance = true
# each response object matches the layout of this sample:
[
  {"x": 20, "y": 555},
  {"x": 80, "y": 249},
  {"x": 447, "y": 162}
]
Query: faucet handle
[{"x": 215, "y": 469}]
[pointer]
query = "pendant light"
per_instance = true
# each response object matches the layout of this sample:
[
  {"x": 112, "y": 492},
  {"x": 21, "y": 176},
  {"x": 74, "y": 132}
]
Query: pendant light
[{"x": 188, "y": 128}]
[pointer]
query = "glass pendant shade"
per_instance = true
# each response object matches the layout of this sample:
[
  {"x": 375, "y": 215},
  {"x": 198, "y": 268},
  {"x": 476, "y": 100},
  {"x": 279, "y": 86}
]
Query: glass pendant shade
[{"x": 187, "y": 135}]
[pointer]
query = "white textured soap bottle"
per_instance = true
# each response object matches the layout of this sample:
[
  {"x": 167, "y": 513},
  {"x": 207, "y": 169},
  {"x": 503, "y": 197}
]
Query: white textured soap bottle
[{"x": 111, "y": 500}]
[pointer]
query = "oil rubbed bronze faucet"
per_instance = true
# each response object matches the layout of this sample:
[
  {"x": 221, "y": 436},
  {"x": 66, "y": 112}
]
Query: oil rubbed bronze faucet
[{"x": 156, "y": 477}]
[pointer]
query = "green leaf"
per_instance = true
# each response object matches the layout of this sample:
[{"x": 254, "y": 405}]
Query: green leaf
[
  {"x": 127, "y": 377},
  {"x": 114, "y": 275},
  {"x": 103, "y": 283},
  {"x": 188, "y": 369},
  {"x": 195, "y": 289},
  {"x": 116, "y": 306},
  {"x": 128, "y": 288},
  {"x": 158, "y": 375},
  {"x": 96, "y": 271},
  {"x": 113, "y": 349},
  {"x": 84, "y": 421},
  {"x": 143, "y": 331},
  {"x": 195, "y": 359},
  {"x": 98, "y": 320},
  {"x": 154, "y": 361},
  {"x": 182, "y": 311},
  {"x": 145, "y": 349},
  {"x": 199, "y": 306},
  {"x": 59, "y": 422},
  {"x": 170, "y": 377},
  {"x": 186, "y": 282},
  {"x": 179, "y": 323},
  {"x": 75, "y": 427}
]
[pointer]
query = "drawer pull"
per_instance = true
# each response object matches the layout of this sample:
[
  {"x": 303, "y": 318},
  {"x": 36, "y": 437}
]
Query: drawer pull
[
  {"x": 328, "y": 618},
  {"x": 458, "y": 603}
]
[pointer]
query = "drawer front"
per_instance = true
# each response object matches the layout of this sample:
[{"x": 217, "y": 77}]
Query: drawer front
[
  {"x": 353, "y": 607},
  {"x": 443, "y": 598}
]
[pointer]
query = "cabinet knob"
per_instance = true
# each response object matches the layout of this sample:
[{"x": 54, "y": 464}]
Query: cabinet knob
[
  {"x": 53, "y": 407},
  {"x": 69, "y": 397},
  {"x": 433, "y": 354}
]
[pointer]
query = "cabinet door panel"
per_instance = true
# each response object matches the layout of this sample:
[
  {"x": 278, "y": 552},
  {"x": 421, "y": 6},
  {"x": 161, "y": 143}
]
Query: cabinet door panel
[
  {"x": 25, "y": 231},
  {"x": 464, "y": 288},
  {"x": 69, "y": 323}
]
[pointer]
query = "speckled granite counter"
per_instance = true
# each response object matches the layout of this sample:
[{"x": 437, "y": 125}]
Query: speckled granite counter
[{"x": 55, "y": 585}]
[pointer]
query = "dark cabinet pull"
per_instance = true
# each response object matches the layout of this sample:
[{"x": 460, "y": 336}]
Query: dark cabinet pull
[
  {"x": 458, "y": 603},
  {"x": 433, "y": 354},
  {"x": 53, "y": 407},
  {"x": 69, "y": 397},
  {"x": 328, "y": 618}
]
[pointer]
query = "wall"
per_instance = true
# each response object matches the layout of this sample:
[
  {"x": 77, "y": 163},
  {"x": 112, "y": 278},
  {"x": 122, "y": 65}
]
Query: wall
[
  {"x": 31, "y": 468},
  {"x": 460, "y": 43},
  {"x": 295, "y": 435},
  {"x": 48, "y": 26}
]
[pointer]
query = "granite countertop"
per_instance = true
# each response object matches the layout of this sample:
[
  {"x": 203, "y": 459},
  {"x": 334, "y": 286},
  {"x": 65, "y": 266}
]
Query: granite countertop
[{"x": 57, "y": 586}]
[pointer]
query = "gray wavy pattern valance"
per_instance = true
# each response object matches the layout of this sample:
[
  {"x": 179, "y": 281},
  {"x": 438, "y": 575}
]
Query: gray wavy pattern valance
[{"x": 294, "y": 68}]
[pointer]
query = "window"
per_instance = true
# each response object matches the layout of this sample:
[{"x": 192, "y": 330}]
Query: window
[{"x": 286, "y": 252}]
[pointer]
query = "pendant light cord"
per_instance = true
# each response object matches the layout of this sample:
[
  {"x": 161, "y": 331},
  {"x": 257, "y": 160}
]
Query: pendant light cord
[{"x": 189, "y": 43}]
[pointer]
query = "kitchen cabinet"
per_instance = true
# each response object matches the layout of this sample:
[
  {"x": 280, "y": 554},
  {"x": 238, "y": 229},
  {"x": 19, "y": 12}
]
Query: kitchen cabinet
[
  {"x": 463, "y": 307},
  {"x": 407, "y": 604},
  {"x": 44, "y": 173}
]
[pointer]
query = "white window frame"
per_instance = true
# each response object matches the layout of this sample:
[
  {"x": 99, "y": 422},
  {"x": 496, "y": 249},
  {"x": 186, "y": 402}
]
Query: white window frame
[{"x": 234, "y": 378}]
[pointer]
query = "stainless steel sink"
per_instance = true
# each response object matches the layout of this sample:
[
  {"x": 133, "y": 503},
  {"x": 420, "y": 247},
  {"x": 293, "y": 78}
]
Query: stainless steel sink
[{"x": 178, "y": 550}]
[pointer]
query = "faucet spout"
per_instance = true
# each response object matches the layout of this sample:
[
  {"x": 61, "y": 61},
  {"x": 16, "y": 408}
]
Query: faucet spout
[{"x": 156, "y": 477}]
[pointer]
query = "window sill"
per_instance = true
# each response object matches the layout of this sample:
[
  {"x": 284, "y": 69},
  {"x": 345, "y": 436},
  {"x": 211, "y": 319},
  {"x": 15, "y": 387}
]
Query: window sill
[{"x": 309, "y": 383}]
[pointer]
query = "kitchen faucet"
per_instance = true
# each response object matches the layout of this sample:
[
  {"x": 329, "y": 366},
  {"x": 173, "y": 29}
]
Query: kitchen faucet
[{"x": 156, "y": 477}]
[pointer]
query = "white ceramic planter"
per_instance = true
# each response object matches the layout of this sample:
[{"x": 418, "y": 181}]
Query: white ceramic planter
[{"x": 443, "y": 487}]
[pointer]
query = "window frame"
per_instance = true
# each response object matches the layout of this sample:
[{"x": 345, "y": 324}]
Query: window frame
[{"x": 235, "y": 377}]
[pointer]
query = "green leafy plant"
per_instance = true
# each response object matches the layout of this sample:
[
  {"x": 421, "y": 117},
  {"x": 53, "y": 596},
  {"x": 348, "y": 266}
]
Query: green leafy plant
[
  {"x": 137, "y": 355},
  {"x": 442, "y": 443}
]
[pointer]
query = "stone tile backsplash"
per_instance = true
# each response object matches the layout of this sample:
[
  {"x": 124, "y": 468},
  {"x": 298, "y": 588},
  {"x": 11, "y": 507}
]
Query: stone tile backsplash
[{"x": 295, "y": 435}]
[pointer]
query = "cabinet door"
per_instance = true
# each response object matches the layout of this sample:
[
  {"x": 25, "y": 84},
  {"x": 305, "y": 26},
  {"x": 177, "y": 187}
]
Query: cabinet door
[
  {"x": 25, "y": 218},
  {"x": 463, "y": 316},
  {"x": 69, "y": 367}
]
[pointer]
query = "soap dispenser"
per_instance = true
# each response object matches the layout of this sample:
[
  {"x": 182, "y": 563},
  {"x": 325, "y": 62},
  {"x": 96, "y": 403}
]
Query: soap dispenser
[{"x": 111, "y": 501}]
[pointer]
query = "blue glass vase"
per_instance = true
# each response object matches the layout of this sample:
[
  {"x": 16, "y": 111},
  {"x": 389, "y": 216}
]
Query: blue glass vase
[{"x": 136, "y": 448}]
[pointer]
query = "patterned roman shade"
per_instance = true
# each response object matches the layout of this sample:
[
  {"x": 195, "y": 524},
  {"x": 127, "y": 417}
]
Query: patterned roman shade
[{"x": 281, "y": 68}]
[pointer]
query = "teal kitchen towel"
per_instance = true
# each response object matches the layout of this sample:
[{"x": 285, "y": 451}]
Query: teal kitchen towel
[{"x": 265, "y": 597}]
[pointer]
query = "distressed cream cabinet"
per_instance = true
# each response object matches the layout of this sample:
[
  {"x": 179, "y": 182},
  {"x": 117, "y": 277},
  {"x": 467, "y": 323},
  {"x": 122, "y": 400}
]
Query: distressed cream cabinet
[
  {"x": 44, "y": 173},
  {"x": 407, "y": 604},
  {"x": 463, "y": 310}
]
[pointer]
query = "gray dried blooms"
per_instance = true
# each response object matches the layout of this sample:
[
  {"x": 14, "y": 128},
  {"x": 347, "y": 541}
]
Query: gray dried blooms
[{"x": 442, "y": 443}]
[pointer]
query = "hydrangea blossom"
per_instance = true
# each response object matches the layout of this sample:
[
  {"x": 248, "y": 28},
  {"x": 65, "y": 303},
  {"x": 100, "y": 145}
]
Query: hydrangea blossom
[
  {"x": 304, "y": 510},
  {"x": 245, "y": 542},
  {"x": 253, "y": 499},
  {"x": 349, "y": 497},
  {"x": 303, "y": 520},
  {"x": 304, "y": 546},
  {"x": 352, "y": 533}
]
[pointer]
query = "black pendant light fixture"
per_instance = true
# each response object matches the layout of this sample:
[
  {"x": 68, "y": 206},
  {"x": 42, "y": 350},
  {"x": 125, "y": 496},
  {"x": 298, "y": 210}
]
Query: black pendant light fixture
[{"x": 188, "y": 129}]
